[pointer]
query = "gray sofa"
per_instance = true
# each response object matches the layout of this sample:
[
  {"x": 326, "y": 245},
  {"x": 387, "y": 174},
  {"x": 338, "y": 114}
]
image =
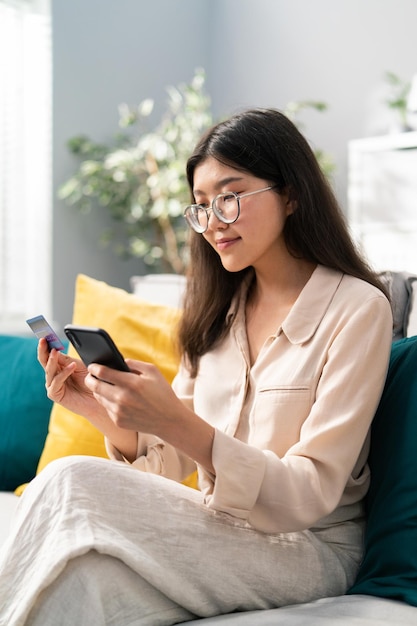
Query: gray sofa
[
  {"x": 385, "y": 592},
  {"x": 358, "y": 610}
]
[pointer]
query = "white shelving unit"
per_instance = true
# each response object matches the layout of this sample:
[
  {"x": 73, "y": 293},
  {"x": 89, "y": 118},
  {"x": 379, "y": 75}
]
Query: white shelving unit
[{"x": 382, "y": 199}]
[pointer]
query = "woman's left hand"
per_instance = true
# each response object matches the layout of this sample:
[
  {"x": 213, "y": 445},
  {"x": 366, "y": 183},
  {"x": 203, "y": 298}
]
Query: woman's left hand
[
  {"x": 142, "y": 401},
  {"x": 145, "y": 402}
]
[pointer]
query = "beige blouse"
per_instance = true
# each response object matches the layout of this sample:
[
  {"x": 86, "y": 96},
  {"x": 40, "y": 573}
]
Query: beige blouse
[{"x": 292, "y": 431}]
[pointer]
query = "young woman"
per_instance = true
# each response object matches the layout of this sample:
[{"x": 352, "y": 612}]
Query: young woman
[{"x": 285, "y": 337}]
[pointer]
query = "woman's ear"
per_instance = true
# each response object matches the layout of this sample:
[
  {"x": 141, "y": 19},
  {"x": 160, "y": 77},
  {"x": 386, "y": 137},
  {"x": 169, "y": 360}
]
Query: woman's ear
[
  {"x": 291, "y": 201},
  {"x": 291, "y": 206}
]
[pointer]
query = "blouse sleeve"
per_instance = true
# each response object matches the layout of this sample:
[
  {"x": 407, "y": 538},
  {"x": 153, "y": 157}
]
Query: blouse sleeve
[{"x": 156, "y": 456}]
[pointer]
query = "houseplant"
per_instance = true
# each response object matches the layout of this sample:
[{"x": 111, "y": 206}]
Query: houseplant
[
  {"x": 398, "y": 98},
  {"x": 140, "y": 180}
]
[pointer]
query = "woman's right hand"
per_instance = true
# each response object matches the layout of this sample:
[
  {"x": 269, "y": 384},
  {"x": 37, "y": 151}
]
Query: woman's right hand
[{"x": 64, "y": 381}]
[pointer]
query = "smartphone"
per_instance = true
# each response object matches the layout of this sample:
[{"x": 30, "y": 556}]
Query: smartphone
[
  {"x": 94, "y": 345},
  {"x": 41, "y": 328}
]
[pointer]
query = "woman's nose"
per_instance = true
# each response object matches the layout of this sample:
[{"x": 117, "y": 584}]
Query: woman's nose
[{"x": 213, "y": 222}]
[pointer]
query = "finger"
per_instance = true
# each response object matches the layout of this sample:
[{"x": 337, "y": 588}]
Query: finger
[
  {"x": 43, "y": 352},
  {"x": 136, "y": 364},
  {"x": 56, "y": 386},
  {"x": 53, "y": 373},
  {"x": 136, "y": 367},
  {"x": 107, "y": 374},
  {"x": 100, "y": 389},
  {"x": 51, "y": 367}
]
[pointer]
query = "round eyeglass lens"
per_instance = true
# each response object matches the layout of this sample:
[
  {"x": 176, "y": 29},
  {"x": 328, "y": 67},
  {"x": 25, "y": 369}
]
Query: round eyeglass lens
[
  {"x": 197, "y": 218},
  {"x": 226, "y": 207}
]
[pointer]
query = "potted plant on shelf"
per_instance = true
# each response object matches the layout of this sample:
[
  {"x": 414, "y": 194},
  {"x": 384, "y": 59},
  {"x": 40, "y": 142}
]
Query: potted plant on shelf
[
  {"x": 140, "y": 179},
  {"x": 398, "y": 99}
]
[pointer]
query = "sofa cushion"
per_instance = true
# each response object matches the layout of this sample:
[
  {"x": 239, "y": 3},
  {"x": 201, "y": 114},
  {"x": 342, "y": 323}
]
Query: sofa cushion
[
  {"x": 141, "y": 330},
  {"x": 24, "y": 410},
  {"x": 389, "y": 567},
  {"x": 411, "y": 322},
  {"x": 399, "y": 285}
]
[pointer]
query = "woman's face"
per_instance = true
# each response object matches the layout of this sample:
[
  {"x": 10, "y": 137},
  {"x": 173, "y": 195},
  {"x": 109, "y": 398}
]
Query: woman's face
[{"x": 256, "y": 238}]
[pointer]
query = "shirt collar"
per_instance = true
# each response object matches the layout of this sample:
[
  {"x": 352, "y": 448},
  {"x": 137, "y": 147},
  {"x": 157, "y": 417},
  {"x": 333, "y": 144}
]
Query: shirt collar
[
  {"x": 308, "y": 310},
  {"x": 311, "y": 305}
]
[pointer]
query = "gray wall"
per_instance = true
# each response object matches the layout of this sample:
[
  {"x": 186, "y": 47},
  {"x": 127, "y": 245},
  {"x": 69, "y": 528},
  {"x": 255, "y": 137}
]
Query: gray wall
[
  {"x": 336, "y": 51},
  {"x": 106, "y": 52},
  {"x": 255, "y": 52}
]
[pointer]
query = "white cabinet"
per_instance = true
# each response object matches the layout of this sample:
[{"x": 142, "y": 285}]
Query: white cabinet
[{"x": 382, "y": 199}]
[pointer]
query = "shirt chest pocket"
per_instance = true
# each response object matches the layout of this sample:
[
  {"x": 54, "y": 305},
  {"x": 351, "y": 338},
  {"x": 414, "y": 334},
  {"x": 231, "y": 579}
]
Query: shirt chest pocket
[{"x": 277, "y": 416}]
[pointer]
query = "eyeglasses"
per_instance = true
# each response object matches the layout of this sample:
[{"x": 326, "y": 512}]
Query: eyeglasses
[{"x": 225, "y": 206}]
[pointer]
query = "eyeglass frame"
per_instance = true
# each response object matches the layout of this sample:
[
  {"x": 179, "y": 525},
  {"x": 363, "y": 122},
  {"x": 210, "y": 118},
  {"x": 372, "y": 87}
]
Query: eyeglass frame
[{"x": 219, "y": 216}]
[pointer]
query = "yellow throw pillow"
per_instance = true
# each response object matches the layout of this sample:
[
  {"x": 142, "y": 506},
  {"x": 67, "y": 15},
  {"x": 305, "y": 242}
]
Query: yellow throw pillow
[{"x": 141, "y": 330}]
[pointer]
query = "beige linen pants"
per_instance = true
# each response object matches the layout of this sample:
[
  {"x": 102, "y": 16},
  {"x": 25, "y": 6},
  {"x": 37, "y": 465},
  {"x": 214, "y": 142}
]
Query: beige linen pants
[{"x": 97, "y": 542}]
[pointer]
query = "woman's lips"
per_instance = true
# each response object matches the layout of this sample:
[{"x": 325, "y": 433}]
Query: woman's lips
[{"x": 223, "y": 244}]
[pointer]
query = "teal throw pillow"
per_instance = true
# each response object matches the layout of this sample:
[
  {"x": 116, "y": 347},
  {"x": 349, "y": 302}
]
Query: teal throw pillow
[
  {"x": 24, "y": 410},
  {"x": 389, "y": 568}
]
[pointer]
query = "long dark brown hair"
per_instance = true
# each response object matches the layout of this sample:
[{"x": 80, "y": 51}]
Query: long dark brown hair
[{"x": 266, "y": 144}]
